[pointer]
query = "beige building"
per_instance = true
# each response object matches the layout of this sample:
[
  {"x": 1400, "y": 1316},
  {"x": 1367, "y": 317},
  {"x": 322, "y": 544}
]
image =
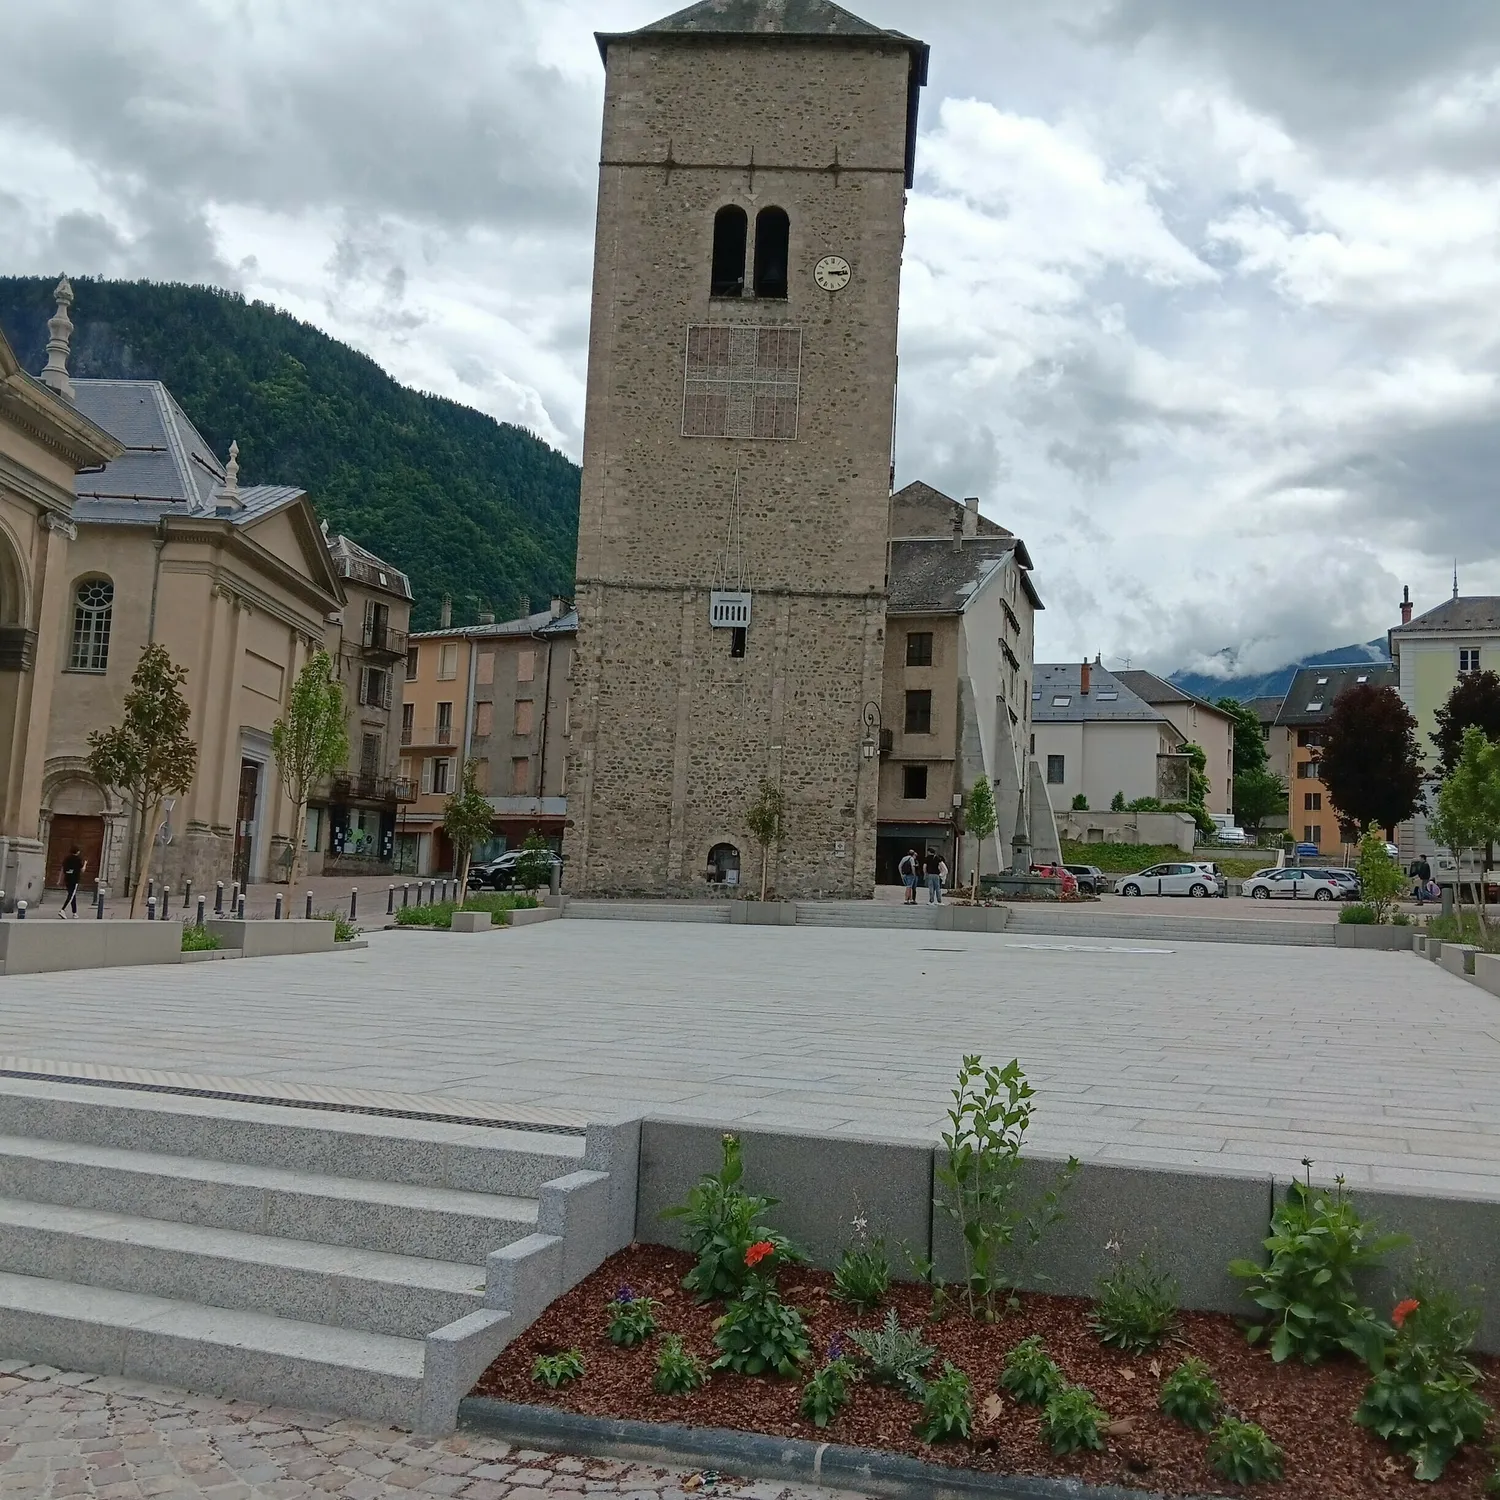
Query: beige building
[
  {"x": 44, "y": 442},
  {"x": 956, "y": 699},
  {"x": 1200, "y": 723},
  {"x": 495, "y": 693},
  {"x": 737, "y": 446}
]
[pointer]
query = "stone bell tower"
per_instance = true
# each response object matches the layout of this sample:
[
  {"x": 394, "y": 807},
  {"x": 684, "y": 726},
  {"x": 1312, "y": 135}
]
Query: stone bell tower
[{"x": 737, "y": 447}]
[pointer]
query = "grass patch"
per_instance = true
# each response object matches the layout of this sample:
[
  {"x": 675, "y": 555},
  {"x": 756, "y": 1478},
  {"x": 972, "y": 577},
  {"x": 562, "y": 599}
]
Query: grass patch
[
  {"x": 1129, "y": 859},
  {"x": 1464, "y": 928},
  {"x": 499, "y": 904},
  {"x": 199, "y": 940}
]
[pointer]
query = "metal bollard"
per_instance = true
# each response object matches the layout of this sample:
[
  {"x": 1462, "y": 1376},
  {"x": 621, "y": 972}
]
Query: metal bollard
[
  {"x": 309, "y": 906},
  {"x": 21, "y": 910},
  {"x": 187, "y": 895},
  {"x": 443, "y": 895},
  {"x": 150, "y": 908},
  {"x": 166, "y": 903},
  {"x": 234, "y": 896},
  {"x": 219, "y": 898},
  {"x": 239, "y": 908},
  {"x": 202, "y": 905},
  {"x": 98, "y": 903},
  {"x": 150, "y": 889},
  {"x": 406, "y": 895},
  {"x": 278, "y": 906},
  {"x": 354, "y": 903},
  {"x": 390, "y": 902}
]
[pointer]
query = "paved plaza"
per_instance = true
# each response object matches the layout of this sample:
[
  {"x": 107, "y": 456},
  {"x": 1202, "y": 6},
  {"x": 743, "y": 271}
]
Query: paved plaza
[
  {"x": 74, "y": 1437},
  {"x": 1378, "y": 1065}
]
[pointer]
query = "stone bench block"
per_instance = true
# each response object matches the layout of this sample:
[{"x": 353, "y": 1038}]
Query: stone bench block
[
  {"x": 524, "y": 916},
  {"x": 471, "y": 921},
  {"x": 33, "y": 945},
  {"x": 264, "y": 938},
  {"x": 763, "y": 913},
  {"x": 1487, "y": 972},
  {"x": 1385, "y": 938},
  {"x": 1458, "y": 958}
]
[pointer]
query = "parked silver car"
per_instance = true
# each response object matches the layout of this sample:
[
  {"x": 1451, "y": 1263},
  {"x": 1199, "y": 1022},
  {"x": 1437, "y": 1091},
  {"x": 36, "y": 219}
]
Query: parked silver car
[
  {"x": 1171, "y": 880},
  {"x": 1293, "y": 885}
]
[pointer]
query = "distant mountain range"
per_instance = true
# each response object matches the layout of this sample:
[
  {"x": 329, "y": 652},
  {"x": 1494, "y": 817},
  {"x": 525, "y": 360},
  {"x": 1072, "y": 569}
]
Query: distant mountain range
[{"x": 1274, "y": 684}]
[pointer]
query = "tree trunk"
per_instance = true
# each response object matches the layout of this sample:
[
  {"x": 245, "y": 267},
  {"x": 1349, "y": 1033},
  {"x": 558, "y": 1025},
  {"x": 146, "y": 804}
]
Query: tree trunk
[
  {"x": 463, "y": 879},
  {"x": 299, "y": 832},
  {"x": 145, "y": 837},
  {"x": 765, "y": 857}
]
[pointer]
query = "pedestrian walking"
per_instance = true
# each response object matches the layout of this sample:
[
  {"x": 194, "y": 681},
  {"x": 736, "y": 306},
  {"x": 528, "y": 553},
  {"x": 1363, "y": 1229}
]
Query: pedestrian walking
[
  {"x": 1423, "y": 871},
  {"x": 907, "y": 870},
  {"x": 72, "y": 873},
  {"x": 932, "y": 873}
]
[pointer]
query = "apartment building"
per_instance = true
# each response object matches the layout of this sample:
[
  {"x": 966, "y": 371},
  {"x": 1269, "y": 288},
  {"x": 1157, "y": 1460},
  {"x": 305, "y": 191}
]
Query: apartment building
[{"x": 1200, "y": 723}]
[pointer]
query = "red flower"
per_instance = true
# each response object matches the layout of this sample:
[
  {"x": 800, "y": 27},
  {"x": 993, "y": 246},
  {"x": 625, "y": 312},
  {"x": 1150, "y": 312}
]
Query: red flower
[
  {"x": 758, "y": 1252},
  {"x": 1403, "y": 1310}
]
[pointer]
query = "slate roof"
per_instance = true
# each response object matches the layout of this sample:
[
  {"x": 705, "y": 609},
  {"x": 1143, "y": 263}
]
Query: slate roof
[
  {"x": 773, "y": 17},
  {"x": 540, "y": 623},
  {"x": 350, "y": 560},
  {"x": 1265, "y": 709},
  {"x": 930, "y": 576},
  {"x": 1321, "y": 685},
  {"x": 1481, "y": 612},
  {"x": 165, "y": 459},
  {"x": 1150, "y": 688},
  {"x": 1064, "y": 679}
]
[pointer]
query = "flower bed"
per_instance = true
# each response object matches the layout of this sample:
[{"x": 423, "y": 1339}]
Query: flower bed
[{"x": 1306, "y": 1410}]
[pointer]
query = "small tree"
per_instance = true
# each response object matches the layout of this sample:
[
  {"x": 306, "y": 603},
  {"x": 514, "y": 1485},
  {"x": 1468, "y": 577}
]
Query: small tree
[
  {"x": 148, "y": 756},
  {"x": 980, "y": 823},
  {"x": 466, "y": 820},
  {"x": 1258, "y": 795},
  {"x": 534, "y": 868},
  {"x": 1380, "y": 879},
  {"x": 1249, "y": 744},
  {"x": 1197, "y": 774},
  {"x": 766, "y": 820},
  {"x": 1475, "y": 700},
  {"x": 1371, "y": 765},
  {"x": 309, "y": 741},
  {"x": 1468, "y": 815},
  {"x": 1080, "y": 802},
  {"x": 1117, "y": 802}
]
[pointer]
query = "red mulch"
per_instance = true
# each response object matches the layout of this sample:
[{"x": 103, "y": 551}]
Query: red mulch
[{"x": 1306, "y": 1410}]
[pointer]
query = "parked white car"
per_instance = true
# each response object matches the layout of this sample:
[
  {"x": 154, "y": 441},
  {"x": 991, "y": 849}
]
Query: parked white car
[
  {"x": 1292, "y": 885},
  {"x": 1170, "y": 880}
]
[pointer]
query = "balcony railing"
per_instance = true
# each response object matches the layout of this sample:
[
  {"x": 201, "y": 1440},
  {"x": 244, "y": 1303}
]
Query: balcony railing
[
  {"x": 382, "y": 641},
  {"x": 427, "y": 734},
  {"x": 372, "y": 789}
]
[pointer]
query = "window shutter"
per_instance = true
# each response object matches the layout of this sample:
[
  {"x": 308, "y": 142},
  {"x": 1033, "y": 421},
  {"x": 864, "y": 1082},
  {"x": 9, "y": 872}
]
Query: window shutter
[
  {"x": 385, "y": 701},
  {"x": 427, "y": 773}
]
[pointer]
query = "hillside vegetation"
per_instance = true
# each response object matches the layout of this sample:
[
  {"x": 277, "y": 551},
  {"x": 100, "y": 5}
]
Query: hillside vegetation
[{"x": 466, "y": 505}]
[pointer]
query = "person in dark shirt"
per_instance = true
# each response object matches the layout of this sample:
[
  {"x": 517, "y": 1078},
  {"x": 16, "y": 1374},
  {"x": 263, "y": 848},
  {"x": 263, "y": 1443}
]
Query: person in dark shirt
[{"x": 72, "y": 873}]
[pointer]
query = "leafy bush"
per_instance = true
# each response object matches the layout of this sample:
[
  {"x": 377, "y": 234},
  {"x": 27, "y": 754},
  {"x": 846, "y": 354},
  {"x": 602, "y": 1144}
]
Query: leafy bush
[
  {"x": 863, "y": 1275},
  {"x": 1191, "y": 1395},
  {"x": 1422, "y": 1401},
  {"x": 947, "y": 1407},
  {"x": 895, "y": 1355},
  {"x": 499, "y": 904},
  {"x": 199, "y": 940},
  {"x": 759, "y": 1333},
  {"x": 1242, "y": 1453},
  {"x": 344, "y": 931},
  {"x": 1137, "y": 1306},
  {"x": 1073, "y": 1419},
  {"x": 1464, "y": 927},
  {"x": 632, "y": 1319},
  {"x": 826, "y": 1392},
  {"x": 1358, "y": 915},
  {"x": 722, "y": 1223},
  {"x": 1381, "y": 880},
  {"x": 982, "y": 1174},
  {"x": 1318, "y": 1243},
  {"x": 678, "y": 1371},
  {"x": 554, "y": 1370},
  {"x": 1030, "y": 1374}
]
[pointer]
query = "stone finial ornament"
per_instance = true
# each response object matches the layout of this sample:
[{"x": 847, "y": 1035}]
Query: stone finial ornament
[
  {"x": 229, "y": 492},
  {"x": 59, "y": 335}
]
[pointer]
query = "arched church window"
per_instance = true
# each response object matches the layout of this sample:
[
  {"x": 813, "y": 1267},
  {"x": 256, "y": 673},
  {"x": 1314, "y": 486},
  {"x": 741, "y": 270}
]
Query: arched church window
[
  {"x": 773, "y": 232},
  {"x": 731, "y": 229},
  {"x": 93, "y": 609}
]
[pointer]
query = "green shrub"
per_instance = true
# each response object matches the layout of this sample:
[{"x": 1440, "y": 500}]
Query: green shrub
[
  {"x": 826, "y": 1392},
  {"x": 200, "y": 940},
  {"x": 759, "y": 1334},
  {"x": 1242, "y": 1453},
  {"x": 555, "y": 1370},
  {"x": 344, "y": 931},
  {"x": 1191, "y": 1395},
  {"x": 1127, "y": 859},
  {"x": 678, "y": 1371},
  {"x": 1030, "y": 1374},
  {"x": 1358, "y": 915},
  {"x": 947, "y": 1407},
  {"x": 722, "y": 1222},
  {"x": 1137, "y": 1306},
  {"x": 499, "y": 904},
  {"x": 1073, "y": 1419},
  {"x": 1318, "y": 1243},
  {"x": 863, "y": 1276},
  {"x": 632, "y": 1319},
  {"x": 1464, "y": 927},
  {"x": 895, "y": 1355}
]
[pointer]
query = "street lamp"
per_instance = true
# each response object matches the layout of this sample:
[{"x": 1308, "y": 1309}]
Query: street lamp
[{"x": 869, "y": 746}]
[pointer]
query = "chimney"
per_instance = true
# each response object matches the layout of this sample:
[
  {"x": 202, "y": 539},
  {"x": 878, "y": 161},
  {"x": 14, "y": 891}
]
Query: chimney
[
  {"x": 958, "y": 529},
  {"x": 971, "y": 515},
  {"x": 559, "y": 606},
  {"x": 59, "y": 333},
  {"x": 1085, "y": 672},
  {"x": 486, "y": 617},
  {"x": 445, "y": 613},
  {"x": 1405, "y": 605}
]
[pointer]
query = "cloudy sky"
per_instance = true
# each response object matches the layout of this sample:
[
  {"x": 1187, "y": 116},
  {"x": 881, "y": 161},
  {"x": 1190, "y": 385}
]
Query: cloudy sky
[{"x": 1202, "y": 297}]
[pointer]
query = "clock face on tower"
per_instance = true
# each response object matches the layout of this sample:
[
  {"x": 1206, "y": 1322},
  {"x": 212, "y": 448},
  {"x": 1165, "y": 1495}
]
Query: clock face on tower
[{"x": 832, "y": 273}]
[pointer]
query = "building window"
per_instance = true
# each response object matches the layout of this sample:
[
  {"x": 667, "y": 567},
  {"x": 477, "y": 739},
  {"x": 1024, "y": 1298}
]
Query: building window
[
  {"x": 914, "y": 783},
  {"x": 1468, "y": 659},
  {"x": 739, "y": 639},
  {"x": 437, "y": 775},
  {"x": 773, "y": 234},
  {"x": 1312, "y": 833},
  {"x": 1310, "y": 738},
  {"x": 524, "y": 715},
  {"x": 444, "y": 730},
  {"x": 484, "y": 668},
  {"x": 525, "y": 666},
  {"x": 1310, "y": 770},
  {"x": 1265, "y": 731},
  {"x": 742, "y": 382},
  {"x": 93, "y": 610},
  {"x": 375, "y": 687},
  {"x": 731, "y": 230},
  {"x": 1061, "y": 700},
  {"x": 919, "y": 648},
  {"x": 369, "y": 755},
  {"x": 1054, "y": 770},
  {"x": 484, "y": 720},
  {"x": 413, "y": 656},
  {"x": 520, "y": 776},
  {"x": 408, "y": 721},
  {"x": 1312, "y": 802},
  {"x": 481, "y": 776},
  {"x": 919, "y": 712},
  {"x": 448, "y": 662}
]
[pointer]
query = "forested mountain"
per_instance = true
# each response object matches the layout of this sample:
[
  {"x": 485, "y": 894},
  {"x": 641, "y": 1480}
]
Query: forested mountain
[
  {"x": 466, "y": 505},
  {"x": 1245, "y": 686}
]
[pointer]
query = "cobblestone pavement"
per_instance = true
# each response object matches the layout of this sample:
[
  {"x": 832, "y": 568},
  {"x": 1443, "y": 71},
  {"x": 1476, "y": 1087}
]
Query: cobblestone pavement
[{"x": 64, "y": 1435}]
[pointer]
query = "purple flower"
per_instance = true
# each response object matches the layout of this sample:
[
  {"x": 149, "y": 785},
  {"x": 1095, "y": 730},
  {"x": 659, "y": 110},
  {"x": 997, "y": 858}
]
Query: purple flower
[
  {"x": 625, "y": 1294},
  {"x": 835, "y": 1348}
]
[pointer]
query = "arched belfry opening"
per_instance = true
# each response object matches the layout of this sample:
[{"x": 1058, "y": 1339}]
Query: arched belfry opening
[
  {"x": 731, "y": 229},
  {"x": 773, "y": 234}
]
